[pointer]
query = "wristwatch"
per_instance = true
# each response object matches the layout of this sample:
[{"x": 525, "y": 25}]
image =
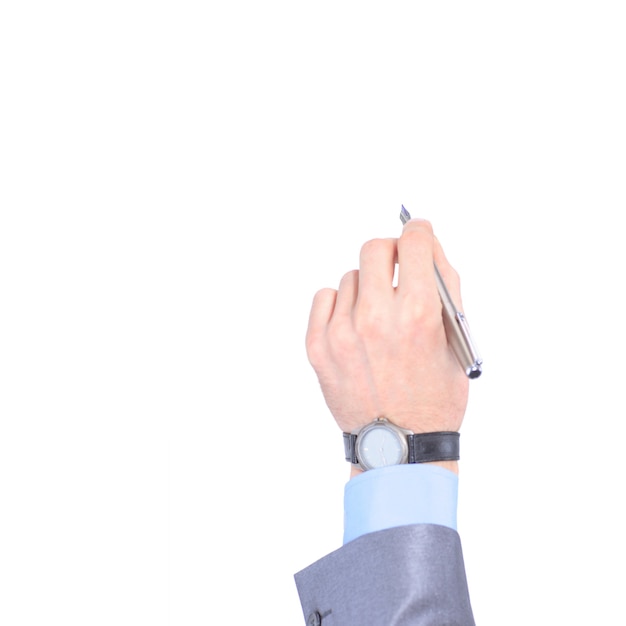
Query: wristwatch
[{"x": 381, "y": 443}]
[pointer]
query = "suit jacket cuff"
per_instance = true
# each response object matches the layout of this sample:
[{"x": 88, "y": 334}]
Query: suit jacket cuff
[{"x": 409, "y": 576}]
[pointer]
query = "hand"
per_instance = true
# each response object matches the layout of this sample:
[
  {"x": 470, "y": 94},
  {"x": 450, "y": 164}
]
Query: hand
[{"x": 381, "y": 351}]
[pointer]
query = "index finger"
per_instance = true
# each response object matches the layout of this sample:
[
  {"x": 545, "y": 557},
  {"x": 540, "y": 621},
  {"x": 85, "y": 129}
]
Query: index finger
[{"x": 416, "y": 272}]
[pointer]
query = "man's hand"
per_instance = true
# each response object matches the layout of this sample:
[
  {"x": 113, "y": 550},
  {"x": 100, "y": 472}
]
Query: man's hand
[{"x": 380, "y": 350}]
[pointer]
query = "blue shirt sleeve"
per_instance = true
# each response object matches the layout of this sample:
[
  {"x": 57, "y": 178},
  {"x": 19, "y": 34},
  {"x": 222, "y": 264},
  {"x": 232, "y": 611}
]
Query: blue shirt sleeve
[{"x": 399, "y": 495}]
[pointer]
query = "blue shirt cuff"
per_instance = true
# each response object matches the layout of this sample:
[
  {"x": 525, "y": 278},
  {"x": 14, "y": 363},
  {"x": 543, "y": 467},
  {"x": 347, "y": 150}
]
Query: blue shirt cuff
[{"x": 399, "y": 495}]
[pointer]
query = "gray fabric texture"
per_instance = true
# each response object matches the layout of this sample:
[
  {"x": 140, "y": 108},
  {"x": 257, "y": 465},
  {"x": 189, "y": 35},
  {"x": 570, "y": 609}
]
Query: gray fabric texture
[{"x": 406, "y": 576}]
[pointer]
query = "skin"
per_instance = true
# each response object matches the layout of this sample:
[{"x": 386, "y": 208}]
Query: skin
[{"x": 380, "y": 350}]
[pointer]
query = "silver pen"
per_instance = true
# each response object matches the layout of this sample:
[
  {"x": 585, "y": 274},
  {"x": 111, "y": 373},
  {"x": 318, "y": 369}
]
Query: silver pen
[{"x": 455, "y": 323}]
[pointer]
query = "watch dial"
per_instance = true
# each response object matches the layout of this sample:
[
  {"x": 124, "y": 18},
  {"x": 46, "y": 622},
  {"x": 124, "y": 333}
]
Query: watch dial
[{"x": 379, "y": 448}]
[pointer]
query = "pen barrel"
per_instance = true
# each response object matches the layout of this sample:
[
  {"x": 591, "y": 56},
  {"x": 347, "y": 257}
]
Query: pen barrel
[{"x": 458, "y": 333}]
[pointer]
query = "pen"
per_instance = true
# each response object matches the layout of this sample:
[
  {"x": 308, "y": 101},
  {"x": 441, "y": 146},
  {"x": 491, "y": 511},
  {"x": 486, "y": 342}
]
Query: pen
[{"x": 455, "y": 323}]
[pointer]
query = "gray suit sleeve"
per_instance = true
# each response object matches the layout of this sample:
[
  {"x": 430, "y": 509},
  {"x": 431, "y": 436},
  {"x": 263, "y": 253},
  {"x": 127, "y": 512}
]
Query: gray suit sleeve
[{"x": 410, "y": 575}]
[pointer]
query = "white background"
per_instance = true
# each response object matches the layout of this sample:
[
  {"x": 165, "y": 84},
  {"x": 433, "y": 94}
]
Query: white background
[{"x": 177, "y": 179}]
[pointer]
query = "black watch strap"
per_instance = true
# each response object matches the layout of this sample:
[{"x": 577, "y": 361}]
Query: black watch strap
[
  {"x": 423, "y": 447},
  {"x": 429, "y": 447},
  {"x": 349, "y": 444}
]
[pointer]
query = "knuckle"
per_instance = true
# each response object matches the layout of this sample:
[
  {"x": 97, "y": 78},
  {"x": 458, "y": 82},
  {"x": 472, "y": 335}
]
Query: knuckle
[
  {"x": 371, "y": 247},
  {"x": 315, "y": 347},
  {"x": 370, "y": 324},
  {"x": 349, "y": 277},
  {"x": 322, "y": 294},
  {"x": 421, "y": 318},
  {"x": 414, "y": 237},
  {"x": 341, "y": 337},
  {"x": 417, "y": 235}
]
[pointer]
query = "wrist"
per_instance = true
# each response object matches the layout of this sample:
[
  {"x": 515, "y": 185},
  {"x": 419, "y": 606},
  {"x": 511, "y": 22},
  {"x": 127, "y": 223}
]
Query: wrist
[
  {"x": 452, "y": 466},
  {"x": 382, "y": 443}
]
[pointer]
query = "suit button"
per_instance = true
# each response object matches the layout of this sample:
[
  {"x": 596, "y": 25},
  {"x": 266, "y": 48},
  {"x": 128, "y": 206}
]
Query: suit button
[{"x": 315, "y": 619}]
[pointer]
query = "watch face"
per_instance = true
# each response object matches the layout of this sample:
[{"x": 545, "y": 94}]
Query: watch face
[{"x": 379, "y": 446}]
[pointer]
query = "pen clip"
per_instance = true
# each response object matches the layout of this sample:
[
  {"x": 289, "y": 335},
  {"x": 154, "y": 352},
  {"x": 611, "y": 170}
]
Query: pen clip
[{"x": 474, "y": 365}]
